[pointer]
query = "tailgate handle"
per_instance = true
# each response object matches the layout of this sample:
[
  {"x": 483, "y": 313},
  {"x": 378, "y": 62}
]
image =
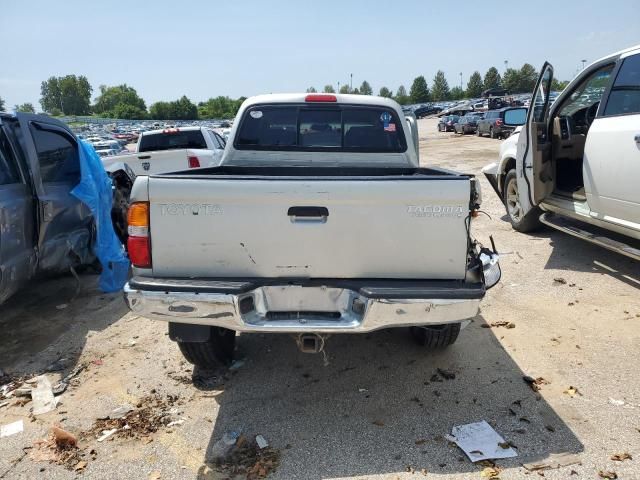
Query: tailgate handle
[{"x": 308, "y": 214}]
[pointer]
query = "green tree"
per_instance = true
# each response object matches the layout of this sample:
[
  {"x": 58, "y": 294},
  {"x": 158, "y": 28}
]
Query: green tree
[
  {"x": 119, "y": 95},
  {"x": 385, "y": 92},
  {"x": 329, "y": 89},
  {"x": 440, "y": 88},
  {"x": 365, "y": 88},
  {"x": 160, "y": 111},
  {"x": 401, "y": 95},
  {"x": 1, "y": 105},
  {"x": 556, "y": 85},
  {"x": 475, "y": 85},
  {"x": 344, "y": 89},
  {"x": 492, "y": 79},
  {"x": 25, "y": 107},
  {"x": 419, "y": 90},
  {"x": 184, "y": 109},
  {"x": 71, "y": 94},
  {"x": 528, "y": 78},
  {"x": 220, "y": 107},
  {"x": 356, "y": 91},
  {"x": 457, "y": 93},
  {"x": 128, "y": 112},
  {"x": 311, "y": 90},
  {"x": 511, "y": 80}
]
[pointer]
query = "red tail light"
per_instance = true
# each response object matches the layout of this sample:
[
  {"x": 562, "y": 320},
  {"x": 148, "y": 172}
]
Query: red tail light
[
  {"x": 498, "y": 122},
  {"x": 194, "y": 162},
  {"x": 139, "y": 249},
  {"x": 318, "y": 97},
  {"x": 139, "y": 242}
]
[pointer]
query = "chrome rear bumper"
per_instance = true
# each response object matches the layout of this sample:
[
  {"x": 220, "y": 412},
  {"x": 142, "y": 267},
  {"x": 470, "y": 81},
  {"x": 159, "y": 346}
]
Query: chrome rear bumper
[{"x": 298, "y": 308}]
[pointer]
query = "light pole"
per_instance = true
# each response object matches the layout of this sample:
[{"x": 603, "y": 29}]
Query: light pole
[
  {"x": 338, "y": 88},
  {"x": 460, "y": 80},
  {"x": 506, "y": 65},
  {"x": 583, "y": 62},
  {"x": 351, "y": 83}
]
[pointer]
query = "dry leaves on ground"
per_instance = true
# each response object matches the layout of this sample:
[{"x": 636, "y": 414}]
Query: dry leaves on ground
[
  {"x": 250, "y": 460},
  {"x": 621, "y": 457},
  {"x": 535, "y": 383},
  {"x": 607, "y": 474},
  {"x": 572, "y": 391}
]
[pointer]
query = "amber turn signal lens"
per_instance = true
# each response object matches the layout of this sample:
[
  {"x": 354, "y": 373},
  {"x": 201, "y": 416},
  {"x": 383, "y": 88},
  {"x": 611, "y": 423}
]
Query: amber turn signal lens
[{"x": 138, "y": 215}]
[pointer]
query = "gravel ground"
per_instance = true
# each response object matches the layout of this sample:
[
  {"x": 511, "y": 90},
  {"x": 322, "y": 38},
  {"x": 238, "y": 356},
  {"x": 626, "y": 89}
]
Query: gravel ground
[{"x": 378, "y": 410}]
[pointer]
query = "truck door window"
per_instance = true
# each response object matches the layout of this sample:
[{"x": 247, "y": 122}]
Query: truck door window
[
  {"x": 57, "y": 156},
  {"x": 172, "y": 139},
  {"x": 8, "y": 167},
  {"x": 624, "y": 98}
]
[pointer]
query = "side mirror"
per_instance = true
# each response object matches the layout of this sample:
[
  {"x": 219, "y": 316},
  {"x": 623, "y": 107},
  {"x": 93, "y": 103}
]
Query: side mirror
[{"x": 515, "y": 117}]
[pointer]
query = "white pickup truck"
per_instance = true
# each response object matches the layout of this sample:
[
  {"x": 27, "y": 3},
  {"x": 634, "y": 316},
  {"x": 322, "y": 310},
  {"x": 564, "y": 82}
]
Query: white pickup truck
[
  {"x": 575, "y": 164},
  {"x": 319, "y": 221},
  {"x": 172, "y": 149}
]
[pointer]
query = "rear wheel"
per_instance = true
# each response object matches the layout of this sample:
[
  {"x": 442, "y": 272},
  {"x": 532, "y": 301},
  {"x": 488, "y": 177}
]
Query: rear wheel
[
  {"x": 214, "y": 353},
  {"x": 519, "y": 220},
  {"x": 436, "y": 336}
]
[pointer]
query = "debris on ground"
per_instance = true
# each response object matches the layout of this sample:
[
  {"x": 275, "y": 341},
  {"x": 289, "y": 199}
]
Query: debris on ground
[
  {"x": 617, "y": 403},
  {"x": 236, "y": 365},
  {"x": 535, "y": 383},
  {"x": 607, "y": 474},
  {"x": 559, "y": 281},
  {"x": 150, "y": 414},
  {"x": 42, "y": 395},
  {"x": 446, "y": 374},
  {"x": 11, "y": 428},
  {"x": 490, "y": 472},
  {"x": 503, "y": 323},
  {"x": 480, "y": 441},
  {"x": 572, "y": 391},
  {"x": 155, "y": 475},
  {"x": 378, "y": 423},
  {"x": 60, "y": 447},
  {"x": 249, "y": 460},
  {"x": 621, "y": 457},
  {"x": 262, "y": 442},
  {"x": 554, "y": 460},
  {"x": 120, "y": 412},
  {"x": 224, "y": 446}
]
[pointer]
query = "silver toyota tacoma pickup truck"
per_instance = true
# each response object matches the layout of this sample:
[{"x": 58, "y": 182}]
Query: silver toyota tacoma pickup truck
[{"x": 318, "y": 221}]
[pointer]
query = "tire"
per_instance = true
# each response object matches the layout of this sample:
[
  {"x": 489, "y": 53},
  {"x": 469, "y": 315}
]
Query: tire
[
  {"x": 478, "y": 133},
  {"x": 436, "y": 336},
  {"x": 492, "y": 133},
  {"x": 216, "y": 352},
  {"x": 510, "y": 197}
]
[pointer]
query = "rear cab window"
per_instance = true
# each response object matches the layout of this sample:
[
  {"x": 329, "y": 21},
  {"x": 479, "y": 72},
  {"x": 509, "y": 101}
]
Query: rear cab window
[
  {"x": 172, "y": 139},
  {"x": 336, "y": 127}
]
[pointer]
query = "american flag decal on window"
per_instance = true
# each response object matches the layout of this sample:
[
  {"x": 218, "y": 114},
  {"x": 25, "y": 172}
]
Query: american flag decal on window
[{"x": 390, "y": 128}]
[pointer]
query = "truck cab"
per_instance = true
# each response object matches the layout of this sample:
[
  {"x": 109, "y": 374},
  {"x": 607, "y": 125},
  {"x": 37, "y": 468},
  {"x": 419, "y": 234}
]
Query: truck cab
[{"x": 576, "y": 161}]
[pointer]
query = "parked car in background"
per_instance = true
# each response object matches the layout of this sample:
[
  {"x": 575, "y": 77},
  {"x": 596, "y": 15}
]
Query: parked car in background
[
  {"x": 447, "y": 123},
  {"x": 466, "y": 124},
  {"x": 492, "y": 124},
  {"x": 43, "y": 228},
  {"x": 271, "y": 241},
  {"x": 173, "y": 149},
  {"x": 575, "y": 164},
  {"x": 426, "y": 110}
]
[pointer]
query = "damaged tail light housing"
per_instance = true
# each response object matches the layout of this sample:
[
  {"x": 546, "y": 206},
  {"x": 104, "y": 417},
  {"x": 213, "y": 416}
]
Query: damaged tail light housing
[
  {"x": 194, "y": 162},
  {"x": 139, "y": 241}
]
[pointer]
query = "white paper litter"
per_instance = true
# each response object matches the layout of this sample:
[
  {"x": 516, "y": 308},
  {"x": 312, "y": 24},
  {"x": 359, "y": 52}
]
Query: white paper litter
[
  {"x": 480, "y": 442},
  {"x": 175, "y": 422},
  {"x": 262, "y": 442},
  {"x": 42, "y": 396},
  {"x": 11, "y": 428},
  {"x": 106, "y": 434}
]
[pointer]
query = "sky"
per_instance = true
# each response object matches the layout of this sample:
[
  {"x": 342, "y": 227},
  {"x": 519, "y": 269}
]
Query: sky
[{"x": 202, "y": 49}]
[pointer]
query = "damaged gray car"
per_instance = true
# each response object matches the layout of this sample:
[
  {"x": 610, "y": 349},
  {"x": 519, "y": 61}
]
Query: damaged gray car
[{"x": 43, "y": 227}]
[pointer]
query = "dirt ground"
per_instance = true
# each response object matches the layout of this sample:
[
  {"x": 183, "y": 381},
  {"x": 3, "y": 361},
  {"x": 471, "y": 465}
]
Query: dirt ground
[{"x": 379, "y": 409}]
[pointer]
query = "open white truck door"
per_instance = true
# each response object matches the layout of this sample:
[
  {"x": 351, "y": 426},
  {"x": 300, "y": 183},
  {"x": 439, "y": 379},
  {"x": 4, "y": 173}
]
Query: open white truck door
[{"x": 533, "y": 163}]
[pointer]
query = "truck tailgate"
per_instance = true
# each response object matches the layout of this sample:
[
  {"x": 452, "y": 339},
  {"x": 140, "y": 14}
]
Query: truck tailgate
[{"x": 410, "y": 227}]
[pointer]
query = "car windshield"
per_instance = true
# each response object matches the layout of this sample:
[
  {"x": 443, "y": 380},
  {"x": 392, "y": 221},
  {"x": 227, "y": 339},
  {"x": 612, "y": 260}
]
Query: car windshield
[{"x": 308, "y": 127}]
